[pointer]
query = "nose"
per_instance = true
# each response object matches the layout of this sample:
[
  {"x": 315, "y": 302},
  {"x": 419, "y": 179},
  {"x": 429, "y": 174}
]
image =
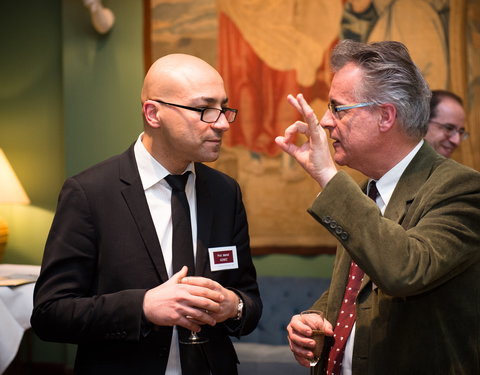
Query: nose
[
  {"x": 327, "y": 121},
  {"x": 221, "y": 124},
  {"x": 455, "y": 138}
]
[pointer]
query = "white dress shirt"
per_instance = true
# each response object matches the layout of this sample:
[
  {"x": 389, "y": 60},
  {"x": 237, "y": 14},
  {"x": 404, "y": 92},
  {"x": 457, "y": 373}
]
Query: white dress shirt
[
  {"x": 158, "y": 193},
  {"x": 385, "y": 186}
]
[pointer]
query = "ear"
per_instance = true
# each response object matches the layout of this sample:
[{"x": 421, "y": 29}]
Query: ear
[
  {"x": 388, "y": 116},
  {"x": 150, "y": 112}
]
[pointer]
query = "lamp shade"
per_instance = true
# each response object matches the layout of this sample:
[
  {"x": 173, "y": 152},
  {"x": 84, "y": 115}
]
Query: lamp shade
[{"x": 11, "y": 190}]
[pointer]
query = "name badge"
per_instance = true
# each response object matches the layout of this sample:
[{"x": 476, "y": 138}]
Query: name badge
[{"x": 223, "y": 258}]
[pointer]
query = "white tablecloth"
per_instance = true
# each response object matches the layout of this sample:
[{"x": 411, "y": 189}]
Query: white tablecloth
[{"x": 16, "y": 304}]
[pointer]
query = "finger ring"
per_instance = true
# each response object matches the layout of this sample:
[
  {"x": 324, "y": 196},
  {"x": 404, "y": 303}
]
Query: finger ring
[{"x": 188, "y": 317}]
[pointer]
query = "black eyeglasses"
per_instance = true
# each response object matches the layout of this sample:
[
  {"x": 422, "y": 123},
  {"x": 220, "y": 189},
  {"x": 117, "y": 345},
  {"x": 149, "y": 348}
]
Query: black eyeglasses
[
  {"x": 334, "y": 108},
  {"x": 450, "y": 130},
  {"x": 209, "y": 115}
]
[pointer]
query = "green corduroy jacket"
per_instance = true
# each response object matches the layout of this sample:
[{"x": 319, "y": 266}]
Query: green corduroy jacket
[{"x": 418, "y": 310}]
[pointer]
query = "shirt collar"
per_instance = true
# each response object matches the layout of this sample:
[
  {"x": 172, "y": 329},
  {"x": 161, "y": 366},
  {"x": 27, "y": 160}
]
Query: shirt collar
[
  {"x": 150, "y": 170},
  {"x": 387, "y": 183}
]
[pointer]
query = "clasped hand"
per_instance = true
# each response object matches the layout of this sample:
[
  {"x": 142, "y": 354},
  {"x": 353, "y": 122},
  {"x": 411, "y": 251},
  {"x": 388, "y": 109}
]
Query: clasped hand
[{"x": 189, "y": 302}]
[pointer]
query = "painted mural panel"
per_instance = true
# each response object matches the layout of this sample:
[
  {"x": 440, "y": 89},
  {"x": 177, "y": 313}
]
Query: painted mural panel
[{"x": 266, "y": 49}]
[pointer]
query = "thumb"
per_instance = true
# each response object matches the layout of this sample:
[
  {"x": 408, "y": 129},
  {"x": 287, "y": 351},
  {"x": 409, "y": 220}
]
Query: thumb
[
  {"x": 286, "y": 146},
  {"x": 282, "y": 143},
  {"x": 177, "y": 278},
  {"x": 327, "y": 327}
]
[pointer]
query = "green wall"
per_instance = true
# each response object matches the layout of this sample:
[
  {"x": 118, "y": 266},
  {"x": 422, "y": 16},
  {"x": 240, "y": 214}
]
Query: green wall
[
  {"x": 31, "y": 130},
  {"x": 69, "y": 98},
  {"x": 291, "y": 265},
  {"x": 102, "y": 80}
]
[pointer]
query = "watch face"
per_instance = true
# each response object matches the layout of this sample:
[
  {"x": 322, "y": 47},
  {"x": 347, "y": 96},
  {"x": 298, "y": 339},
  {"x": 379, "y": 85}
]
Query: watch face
[{"x": 239, "y": 308}]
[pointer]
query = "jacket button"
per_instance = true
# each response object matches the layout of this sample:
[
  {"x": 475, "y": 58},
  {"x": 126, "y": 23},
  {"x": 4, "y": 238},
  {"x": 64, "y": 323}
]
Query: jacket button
[{"x": 327, "y": 219}]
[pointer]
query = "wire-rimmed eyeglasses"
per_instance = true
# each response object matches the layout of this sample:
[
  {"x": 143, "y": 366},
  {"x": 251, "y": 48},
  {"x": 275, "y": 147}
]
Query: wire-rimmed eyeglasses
[
  {"x": 450, "y": 130},
  {"x": 208, "y": 114},
  {"x": 334, "y": 108}
]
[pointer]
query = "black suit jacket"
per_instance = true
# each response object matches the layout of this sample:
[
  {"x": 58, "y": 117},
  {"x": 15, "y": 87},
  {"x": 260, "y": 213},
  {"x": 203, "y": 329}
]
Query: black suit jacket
[{"x": 102, "y": 254}]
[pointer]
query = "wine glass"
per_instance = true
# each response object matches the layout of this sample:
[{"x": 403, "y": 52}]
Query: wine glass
[
  {"x": 193, "y": 338},
  {"x": 314, "y": 319}
]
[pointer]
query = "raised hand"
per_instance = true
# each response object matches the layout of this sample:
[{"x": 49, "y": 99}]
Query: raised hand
[{"x": 314, "y": 155}]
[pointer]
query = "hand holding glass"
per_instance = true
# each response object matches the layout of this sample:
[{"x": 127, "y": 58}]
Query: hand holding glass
[
  {"x": 194, "y": 338},
  {"x": 314, "y": 319}
]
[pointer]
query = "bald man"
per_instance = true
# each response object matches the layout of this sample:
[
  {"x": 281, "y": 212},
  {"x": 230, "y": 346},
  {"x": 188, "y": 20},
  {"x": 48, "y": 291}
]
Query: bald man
[
  {"x": 109, "y": 282},
  {"x": 446, "y": 124}
]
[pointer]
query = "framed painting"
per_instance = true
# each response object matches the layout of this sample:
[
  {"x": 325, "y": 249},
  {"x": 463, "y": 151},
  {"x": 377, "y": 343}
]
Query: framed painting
[{"x": 267, "y": 49}]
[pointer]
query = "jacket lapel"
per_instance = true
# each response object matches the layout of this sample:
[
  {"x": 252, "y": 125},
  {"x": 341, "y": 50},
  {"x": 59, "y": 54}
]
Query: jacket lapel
[
  {"x": 204, "y": 220},
  {"x": 412, "y": 179},
  {"x": 414, "y": 176},
  {"x": 136, "y": 201}
]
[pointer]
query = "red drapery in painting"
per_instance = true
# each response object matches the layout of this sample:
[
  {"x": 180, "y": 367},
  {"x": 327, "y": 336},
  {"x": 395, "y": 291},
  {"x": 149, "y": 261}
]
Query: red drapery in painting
[{"x": 259, "y": 91}]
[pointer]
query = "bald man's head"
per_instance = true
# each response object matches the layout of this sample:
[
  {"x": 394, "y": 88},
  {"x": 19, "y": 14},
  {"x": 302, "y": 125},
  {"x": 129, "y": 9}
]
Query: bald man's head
[
  {"x": 178, "y": 74},
  {"x": 177, "y": 91}
]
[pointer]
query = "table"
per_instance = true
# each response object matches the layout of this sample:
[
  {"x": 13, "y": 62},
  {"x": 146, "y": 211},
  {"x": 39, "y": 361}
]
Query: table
[{"x": 16, "y": 304}]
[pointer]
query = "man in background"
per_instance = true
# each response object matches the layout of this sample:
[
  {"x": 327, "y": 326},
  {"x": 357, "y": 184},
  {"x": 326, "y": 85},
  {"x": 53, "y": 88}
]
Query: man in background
[
  {"x": 446, "y": 128},
  {"x": 404, "y": 296},
  {"x": 113, "y": 279}
]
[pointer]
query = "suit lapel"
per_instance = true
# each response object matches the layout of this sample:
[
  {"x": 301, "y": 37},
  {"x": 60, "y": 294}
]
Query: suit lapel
[
  {"x": 136, "y": 201},
  {"x": 414, "y": 176},
  {"x": 204, "y": 220},
  {"x": 412, "y": 179}
]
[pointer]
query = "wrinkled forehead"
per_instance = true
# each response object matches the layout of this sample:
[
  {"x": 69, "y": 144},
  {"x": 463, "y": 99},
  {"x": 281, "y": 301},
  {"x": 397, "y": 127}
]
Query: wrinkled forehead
[{"x": 346, "y": 83}]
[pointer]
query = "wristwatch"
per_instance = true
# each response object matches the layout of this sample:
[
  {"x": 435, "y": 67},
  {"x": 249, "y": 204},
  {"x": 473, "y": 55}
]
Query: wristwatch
[{"x": 239, "y": 309}]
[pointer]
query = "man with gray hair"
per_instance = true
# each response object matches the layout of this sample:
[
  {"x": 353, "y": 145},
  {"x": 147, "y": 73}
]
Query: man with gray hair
[{"x": 404, "y": 296}]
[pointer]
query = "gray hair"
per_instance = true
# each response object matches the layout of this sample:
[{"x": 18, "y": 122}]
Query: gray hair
[{"x": 389, "y": 76}]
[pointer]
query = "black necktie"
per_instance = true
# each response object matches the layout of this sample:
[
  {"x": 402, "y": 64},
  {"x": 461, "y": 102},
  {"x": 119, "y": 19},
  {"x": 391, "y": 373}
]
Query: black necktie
[
  {"x": 182, "y": 245},
  {"x": 193, "y": 360},
  {"x": 372, "y": 190}
]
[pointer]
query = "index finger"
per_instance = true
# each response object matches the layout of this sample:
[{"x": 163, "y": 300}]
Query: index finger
[
  {"x": 315, "y": 321},
  {"x": 301, "y": 105},
  {"x": 201, "y": 291},
  {"x": 299, "y": 326},
  {"x": 307, "y": 112},
  {"x": 294, "y": 103}
]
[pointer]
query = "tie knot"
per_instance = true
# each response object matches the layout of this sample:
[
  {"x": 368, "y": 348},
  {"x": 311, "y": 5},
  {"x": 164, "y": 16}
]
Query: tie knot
[
  {"x": 372, "y": 190},
  {"x": 177, "y": 181}
]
